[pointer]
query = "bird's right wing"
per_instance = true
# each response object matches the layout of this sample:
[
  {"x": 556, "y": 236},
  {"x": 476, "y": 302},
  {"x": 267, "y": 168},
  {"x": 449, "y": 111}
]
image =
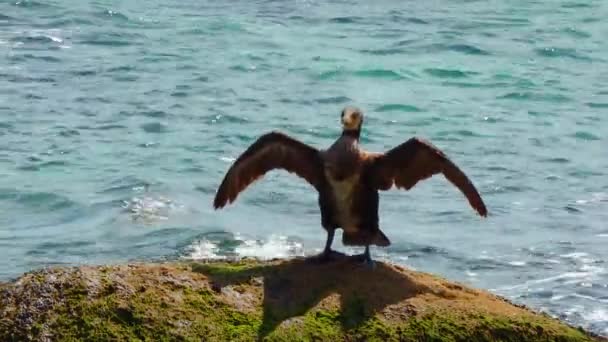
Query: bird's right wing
[{"x": 273, "y": 150}]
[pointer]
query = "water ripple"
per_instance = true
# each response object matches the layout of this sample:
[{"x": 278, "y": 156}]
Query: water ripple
[
  {"x": 30, "y": 4},
  {"x": 597, "y": 105},
  {"x": 6, "y": 20},
  {"x": 111, "y": 39},
  {"x": 154, "y": 127},
  {"x": 113, "y": 15},
  {"x": 384, "y": 52},
  {"x": 576, "y": 33},
  {"x": 334, "y": 99},
  {"x": 26, "y": 57},
  {"x": 561, "y": 52},
  {"x": 448, "y": 73},
  {"x": 38, "y": 200},
  {"x": 118, "y": 120},
  {"x": 530, "y": 96},
  {"x": 467, "y": 49},
  {"x": 33, "y": 39},
  {"x": 395, "y": 107},
  {"x": 585, "y": 136},
  {"x": 379, "y": 73},
  {"x": 345, "y": 20}
]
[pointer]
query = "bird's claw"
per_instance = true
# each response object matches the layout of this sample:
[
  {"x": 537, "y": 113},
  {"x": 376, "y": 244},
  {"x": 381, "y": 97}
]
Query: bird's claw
[
  {"x": 369, "y": 264},
  {"x": 365, "y": 260}
]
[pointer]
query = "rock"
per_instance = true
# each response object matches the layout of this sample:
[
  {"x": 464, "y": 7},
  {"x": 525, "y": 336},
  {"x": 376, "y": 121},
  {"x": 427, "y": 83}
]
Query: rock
[{"x": 248, "y": 300}]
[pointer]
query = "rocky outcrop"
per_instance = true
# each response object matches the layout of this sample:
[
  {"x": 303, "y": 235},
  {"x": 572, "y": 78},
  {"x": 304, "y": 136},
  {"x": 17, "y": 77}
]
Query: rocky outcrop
[{"x": 248, "y": 300}]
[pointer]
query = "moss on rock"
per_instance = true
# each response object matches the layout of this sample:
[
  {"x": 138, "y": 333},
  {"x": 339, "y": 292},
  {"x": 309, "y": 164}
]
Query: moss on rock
[{"x": 274, "y": 301}]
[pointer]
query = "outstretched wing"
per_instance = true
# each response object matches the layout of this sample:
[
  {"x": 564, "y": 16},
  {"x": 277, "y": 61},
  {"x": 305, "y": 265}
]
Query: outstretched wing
[
  {"x": 416, "y": 160},
  {"x": 273, "y": 150}
]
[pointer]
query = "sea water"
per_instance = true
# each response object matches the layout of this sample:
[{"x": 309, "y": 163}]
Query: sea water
[{"x": 118, "y": 120}]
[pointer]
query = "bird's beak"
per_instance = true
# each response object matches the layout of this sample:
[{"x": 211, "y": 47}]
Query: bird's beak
[
  {"x": 348, "y": 120},
  {"x": 351, "y": 121}
]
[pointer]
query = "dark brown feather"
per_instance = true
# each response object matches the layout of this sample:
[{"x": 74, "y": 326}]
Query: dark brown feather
[
  {"x": 271, "y": 151},
  {"x": 416, "y": 160}
]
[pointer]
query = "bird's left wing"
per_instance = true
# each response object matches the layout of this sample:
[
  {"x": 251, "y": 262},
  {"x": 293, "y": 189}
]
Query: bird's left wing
[
  {"x": 273, "y": 150},
  {"x": 416, "y": 160}
]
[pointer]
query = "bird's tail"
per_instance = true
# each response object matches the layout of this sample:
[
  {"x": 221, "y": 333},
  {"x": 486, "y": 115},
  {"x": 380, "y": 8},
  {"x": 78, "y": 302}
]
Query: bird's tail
[
  {"x": 363, "y": 238},
  {"x": 380, "y": 239}
]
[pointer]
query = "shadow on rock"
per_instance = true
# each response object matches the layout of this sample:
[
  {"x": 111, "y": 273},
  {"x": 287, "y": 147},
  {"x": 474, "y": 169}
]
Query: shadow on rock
[{"x": 292, "y": 288}]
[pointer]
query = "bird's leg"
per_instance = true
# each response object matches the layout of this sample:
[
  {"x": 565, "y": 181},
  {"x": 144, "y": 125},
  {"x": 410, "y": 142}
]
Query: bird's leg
[
  {"x": 366, "y": 258},
  {"x": 330, "y": 239},
  {"x": 327, "y": 253}
]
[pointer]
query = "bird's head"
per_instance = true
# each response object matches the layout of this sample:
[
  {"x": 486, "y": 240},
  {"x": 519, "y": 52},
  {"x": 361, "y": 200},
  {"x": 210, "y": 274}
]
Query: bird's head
[{"x": 352, "y": 119}]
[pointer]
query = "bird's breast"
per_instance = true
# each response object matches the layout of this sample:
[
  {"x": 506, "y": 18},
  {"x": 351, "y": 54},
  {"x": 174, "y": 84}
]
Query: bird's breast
[{"x": 344, "y": 192}]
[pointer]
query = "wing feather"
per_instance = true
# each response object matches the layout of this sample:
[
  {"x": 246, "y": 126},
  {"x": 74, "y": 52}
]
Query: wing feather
[
  {"x": 416, "y": 160},
  {"x": 271, "y": 151}
]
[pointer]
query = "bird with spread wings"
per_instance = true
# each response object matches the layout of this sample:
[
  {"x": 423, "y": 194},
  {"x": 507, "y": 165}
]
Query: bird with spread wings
[{"x": 401, "y": 167}]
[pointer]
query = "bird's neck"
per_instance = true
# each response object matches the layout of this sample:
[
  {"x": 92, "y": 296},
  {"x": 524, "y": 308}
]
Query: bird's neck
[{"x": 352, "y": 133}]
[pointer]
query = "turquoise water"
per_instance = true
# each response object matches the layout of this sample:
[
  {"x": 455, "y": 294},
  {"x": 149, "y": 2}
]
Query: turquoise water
[{"x": 118, "y": 120}]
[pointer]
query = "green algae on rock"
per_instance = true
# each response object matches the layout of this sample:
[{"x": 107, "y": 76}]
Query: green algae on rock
[{"x": 281, "y": 300}]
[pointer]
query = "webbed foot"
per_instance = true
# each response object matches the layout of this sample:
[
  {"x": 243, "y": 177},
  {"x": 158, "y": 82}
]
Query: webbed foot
[
  {"x": 365, "y": 259},
  {"x": 369, "y": 263},
  {"x": 326, "y": 256}
]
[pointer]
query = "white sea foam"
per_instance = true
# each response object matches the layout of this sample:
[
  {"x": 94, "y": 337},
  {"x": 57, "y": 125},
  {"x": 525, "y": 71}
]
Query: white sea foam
[
  {"x": 402, "y": 258},
  {"x": 517, "y": 263},
  {"x": 589, "y": 298},
  {"x": 471, "y": 274},
  {"x": 274, "y": 247},
  {"x": 567, "y": 277},
  {"x": 204, "y": 250},
  {"x": 581, "y": 257},
  {"x": 575, "y": 255},
  {"x": 53, "y": 38},
  {"x": 557, "y": 298},
  {"x": 150, "y": 207},
  {"x": 227, "y": 159},
  {"x": 596, "y": 197},
  {"x": 592, "y": 268},
  {"x": 598, "y": 315},
  {"x": 591, "y": 316}
]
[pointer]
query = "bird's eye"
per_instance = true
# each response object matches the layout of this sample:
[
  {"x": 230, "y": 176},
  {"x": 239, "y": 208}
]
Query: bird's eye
[{"x": 342, "y": 115}]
